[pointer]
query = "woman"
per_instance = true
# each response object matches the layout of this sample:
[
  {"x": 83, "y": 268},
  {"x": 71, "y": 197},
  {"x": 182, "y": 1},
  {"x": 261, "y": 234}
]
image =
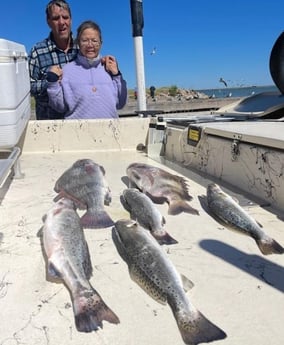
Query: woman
[{"x": 91, "y": 86}]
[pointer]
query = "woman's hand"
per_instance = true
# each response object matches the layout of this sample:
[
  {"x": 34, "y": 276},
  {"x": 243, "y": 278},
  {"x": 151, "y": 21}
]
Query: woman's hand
[
  {"x": 57, "y": 70},
  {"x": 110, "y": 64}
]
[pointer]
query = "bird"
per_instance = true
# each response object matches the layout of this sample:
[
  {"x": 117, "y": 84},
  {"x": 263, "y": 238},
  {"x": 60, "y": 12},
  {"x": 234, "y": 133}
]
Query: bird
[
  {"x": 153, "y": 51},
  {"x": 221, "y": 80}
]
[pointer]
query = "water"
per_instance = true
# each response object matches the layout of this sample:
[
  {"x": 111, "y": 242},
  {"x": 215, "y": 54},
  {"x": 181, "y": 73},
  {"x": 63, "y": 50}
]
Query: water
[{"x": 238, "y": 91}]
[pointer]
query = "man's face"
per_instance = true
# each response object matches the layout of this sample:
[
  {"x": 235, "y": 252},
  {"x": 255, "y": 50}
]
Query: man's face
[{"x": 59, "y": 22}]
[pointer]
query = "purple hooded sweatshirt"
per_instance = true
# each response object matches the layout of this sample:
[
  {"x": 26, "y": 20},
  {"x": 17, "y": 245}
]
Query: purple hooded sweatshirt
[{"x": 87, "y": 91}]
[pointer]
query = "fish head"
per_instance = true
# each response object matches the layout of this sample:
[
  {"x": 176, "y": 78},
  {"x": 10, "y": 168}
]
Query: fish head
[
  {"x": 213, "y": 189},
  {"x": 130, "y": 194},
  {"x": 122, "y": 236},
  {"x": 140, "y": 176},
  {"x": 83, "y": 162},
  {"x": 129, "y": 197},
  {"x": 125, "y": 230},
  {"x": 88, "y": 166}
]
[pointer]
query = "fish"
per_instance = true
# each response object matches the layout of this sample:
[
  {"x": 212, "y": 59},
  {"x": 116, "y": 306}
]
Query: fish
[
  {"x": 154, "y": 272},
  {"x": 161, "y": 186},
  {"x": 142, "y": 209},
  {"x": 68, "y": 259},
  {"x": 85, "y": 183},
  {"x": 229, "y": 213}
]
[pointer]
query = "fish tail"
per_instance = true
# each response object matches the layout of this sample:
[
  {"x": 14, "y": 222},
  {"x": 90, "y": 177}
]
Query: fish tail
[
  {"x": 195, "y": 328},
  {"x": 181, "y": 206},
  {"x": 165, "y": 238},
  {"x": 96, "y": 219},
  {"x": 268, "y": 246},
  {"x": 90, "y": 311}
]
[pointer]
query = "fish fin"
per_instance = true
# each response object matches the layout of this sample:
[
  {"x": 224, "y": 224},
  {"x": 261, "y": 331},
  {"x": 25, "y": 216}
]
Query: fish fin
[
  {"x": 90, "y": 311},
  {"x": 108, "y": 197},
  {"x": 185, "y": 187},
  {"x": 269, "y": 246},
  {"x": 163, "y": 221},
  {"x": 195, "y": 328},
  {"x": 235, "y": 199},
  {"x": 52, "y": 271},
  {"x": 187, "y": 283},
  {"x": 96, "y": 220},
  {"x": 164, "y": 239},
  {"x": 181, "y": 206},
  {"x": 58, "y": 197},
  {"x": 131, "y": 184}
]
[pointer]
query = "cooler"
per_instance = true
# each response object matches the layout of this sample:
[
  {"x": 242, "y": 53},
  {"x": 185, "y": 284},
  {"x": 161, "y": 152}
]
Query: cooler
[{"x": 15, "y": 107}]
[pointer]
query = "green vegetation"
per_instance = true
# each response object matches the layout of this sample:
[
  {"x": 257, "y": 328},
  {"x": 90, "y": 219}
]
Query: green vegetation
[{"x": 173, "y": 90}]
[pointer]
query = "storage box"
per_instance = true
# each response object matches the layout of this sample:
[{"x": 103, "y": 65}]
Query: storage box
[{"x": 14, "y": 92}]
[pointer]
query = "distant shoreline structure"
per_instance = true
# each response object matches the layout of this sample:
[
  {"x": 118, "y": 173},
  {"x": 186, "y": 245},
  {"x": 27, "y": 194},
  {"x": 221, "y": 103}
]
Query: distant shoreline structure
[{"x": 222, "y": 92}]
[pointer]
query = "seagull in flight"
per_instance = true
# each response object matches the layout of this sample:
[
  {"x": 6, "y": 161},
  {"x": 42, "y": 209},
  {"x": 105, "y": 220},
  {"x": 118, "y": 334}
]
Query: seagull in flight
[
  {"x": 221, "y": 80},
  {"x": 153, "y": 51}
]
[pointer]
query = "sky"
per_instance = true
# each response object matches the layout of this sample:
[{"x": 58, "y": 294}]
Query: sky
[{"x": 197, "y": 42}]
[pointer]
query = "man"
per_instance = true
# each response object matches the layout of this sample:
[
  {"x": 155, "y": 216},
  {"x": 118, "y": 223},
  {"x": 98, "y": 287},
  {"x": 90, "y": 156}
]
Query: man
[
  {"x": 152, "y": 92},
  {"x": 56, "y": 50}
]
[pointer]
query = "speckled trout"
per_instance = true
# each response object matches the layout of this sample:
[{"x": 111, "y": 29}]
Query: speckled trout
[
  {"x": 85, "y": 183},
  {"x": 68, "y": 260},
  {"x": 153, "y": 271},
  {"x": 232, "y": 215},
  {"x": 142, "y": 209},
  {"x": 160, "y": 186}
]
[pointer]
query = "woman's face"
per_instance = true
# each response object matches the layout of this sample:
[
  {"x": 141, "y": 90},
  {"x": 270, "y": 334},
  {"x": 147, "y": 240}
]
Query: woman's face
[{"x": 90, "y": 43}]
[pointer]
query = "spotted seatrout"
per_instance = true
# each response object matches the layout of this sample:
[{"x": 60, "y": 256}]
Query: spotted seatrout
[
  {"x": 227, "y": 210},
  {"x": 161, "y": 186},
  {"x": 85, "y": 183},
  {"x": 152, "y": 270},
  {"x": 68, "y": 259},
  {"x": 142, "y": 209}
]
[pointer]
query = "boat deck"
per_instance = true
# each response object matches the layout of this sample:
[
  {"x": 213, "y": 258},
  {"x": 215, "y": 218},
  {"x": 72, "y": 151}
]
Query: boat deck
[{"x": 235, "y": 286}]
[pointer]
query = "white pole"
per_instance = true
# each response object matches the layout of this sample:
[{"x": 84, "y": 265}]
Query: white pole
[
  {"x": 140, "y": 73},
  {"x": 137, "y": 33}
]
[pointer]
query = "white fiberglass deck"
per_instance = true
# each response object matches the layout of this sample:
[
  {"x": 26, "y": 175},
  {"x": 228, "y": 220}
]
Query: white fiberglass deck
[{"x": 236, "y": 287}]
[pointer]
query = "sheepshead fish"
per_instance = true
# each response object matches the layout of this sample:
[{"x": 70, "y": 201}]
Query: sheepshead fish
[
  {"x": 142, "y": 209},
  {"x": 161, "y": 186},
  {"x": 84, "y": 183},
  {"x": 228, "y": 211},
  {"x": 68, "y": 259},
  {"x": 152, "y": 270}
]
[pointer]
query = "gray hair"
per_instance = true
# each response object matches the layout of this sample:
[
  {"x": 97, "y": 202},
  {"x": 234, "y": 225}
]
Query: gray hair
[{"x": 60, "y": 3}]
